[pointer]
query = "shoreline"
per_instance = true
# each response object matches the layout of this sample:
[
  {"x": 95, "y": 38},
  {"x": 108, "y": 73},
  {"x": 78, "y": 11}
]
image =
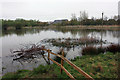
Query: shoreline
[{"x": 99, "y": 27}]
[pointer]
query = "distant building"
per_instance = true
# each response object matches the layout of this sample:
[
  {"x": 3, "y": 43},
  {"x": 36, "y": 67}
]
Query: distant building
[{"x": 59, "y": 21}]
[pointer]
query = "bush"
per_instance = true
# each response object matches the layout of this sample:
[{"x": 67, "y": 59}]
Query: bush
[
  {"x": 40, "y": 69},
  {"x": 101, "y": 49},
  {"x": 22, "y": 71},
  {"x": 18, "y": 26},
  {"x": 89, "y": 51},
  {"x": 113, "y": 48}
]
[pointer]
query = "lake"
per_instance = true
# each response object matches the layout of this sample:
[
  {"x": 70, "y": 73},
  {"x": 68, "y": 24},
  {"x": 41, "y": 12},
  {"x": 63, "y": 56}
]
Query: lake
[{"x": 15, "y": 39}]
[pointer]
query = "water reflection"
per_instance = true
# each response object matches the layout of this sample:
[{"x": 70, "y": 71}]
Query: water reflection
[
  {"x": 74, "y": 32},
  {"x": 22, "y": 32}
]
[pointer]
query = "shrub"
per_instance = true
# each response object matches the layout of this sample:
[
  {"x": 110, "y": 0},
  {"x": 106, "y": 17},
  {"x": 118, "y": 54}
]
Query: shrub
[
  {"x": 22, "y": 71},
  {"x": 101, "y": 49},
  {"x": 113, "y": 48},
  {"x": 40, "y": 69},
  {"x": 89, "y": 50},
  {"x": 58, "y": 59}
]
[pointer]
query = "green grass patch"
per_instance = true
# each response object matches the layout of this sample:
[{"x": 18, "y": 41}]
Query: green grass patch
[
  {"x": 17, "y": 75},
  {"x": 98, "y": 66}
]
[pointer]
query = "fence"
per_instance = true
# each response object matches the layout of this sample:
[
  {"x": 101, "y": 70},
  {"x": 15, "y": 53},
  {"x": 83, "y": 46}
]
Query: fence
[{"x": 69, "y": 62}]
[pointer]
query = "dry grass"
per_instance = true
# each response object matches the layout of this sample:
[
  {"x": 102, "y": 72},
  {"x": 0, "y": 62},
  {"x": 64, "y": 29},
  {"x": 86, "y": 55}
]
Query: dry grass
[{"x": 104, "y": 27}]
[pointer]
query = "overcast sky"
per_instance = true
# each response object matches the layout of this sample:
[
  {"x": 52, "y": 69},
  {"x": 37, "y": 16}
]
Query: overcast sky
[{"x": 49, "y": 10}]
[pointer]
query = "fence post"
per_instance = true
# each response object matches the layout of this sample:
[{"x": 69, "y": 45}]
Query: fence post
[
  {"x": 62, "y": 61},
  {"x": 48, "y": 56}
]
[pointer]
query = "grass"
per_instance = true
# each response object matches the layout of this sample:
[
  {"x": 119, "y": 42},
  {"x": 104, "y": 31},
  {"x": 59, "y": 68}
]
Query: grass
[
  {"x": 97, "y": 27},
  {"x": 17, "y": 75},
  {"x": 98, "y": 66}
]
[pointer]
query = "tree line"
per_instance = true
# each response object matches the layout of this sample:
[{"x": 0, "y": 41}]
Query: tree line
[
  {"x": 19, "y": 23},
  {"x": 84, "y": 20},
  {"x": 81, "y": 20}
]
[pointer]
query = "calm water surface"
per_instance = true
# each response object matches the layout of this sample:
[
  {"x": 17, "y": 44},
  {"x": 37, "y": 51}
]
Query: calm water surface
[{"x": 12, "y": 40}]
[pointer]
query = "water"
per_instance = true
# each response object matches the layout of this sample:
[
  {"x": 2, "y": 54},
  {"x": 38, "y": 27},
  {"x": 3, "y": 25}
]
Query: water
[{"x": 12, "y": 40}]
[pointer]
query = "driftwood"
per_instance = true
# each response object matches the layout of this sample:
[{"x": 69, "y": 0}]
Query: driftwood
[{"x": 29, "y": 53}]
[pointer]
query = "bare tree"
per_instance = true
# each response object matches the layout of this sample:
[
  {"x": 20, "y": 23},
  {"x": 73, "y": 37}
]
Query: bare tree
[
  {"x": 73, "y": 17},
  {"x": 105, "y": 18},
  {"x": 83, "y": 16},
  {"x": 115, "y": 18}
]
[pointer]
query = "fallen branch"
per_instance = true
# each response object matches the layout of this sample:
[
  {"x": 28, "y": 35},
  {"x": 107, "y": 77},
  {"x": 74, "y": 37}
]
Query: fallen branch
[{"x": 29, "y": 53}]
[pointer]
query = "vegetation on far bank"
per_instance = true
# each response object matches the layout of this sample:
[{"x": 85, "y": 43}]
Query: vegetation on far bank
[
  {"x": 84, "y": 19},
  {"x": 98, "y": 66},
  {"x": 20, "y": 23},
  {"x": 81, "y": 20}
]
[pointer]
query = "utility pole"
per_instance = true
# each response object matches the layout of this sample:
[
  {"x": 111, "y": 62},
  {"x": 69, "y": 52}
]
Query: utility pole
[
  {"x": 102, "y": 18},
  {"x": 119, "y": 13}
]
